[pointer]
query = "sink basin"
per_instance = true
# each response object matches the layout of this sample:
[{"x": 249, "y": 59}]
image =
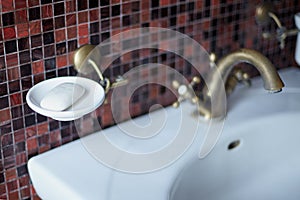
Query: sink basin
[{"x": 256, "y": 156}]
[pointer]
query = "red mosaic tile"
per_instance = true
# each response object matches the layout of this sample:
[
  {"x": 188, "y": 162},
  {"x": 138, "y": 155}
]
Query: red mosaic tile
[
  {"x": 21, "y": 158},
  {"x": 61, "y": 61},
  {"x": 19, "y": 136},
  {"x": 35, "y": 27},
  {"x": 115, "y": 1},
  {"x": 47, "y": 11},
  {"x": 19, "y": 4},
  {"x": 32, "y": 3},
  {"x": 94, "y": 15},
  {"x": 31, "y": 131},
  {"x": 82, "y": 17},
  {"x": 42, "y": 128},
  {"x": 60, "y": 35},
  {"x": 83, "y": 40},
  {"x": 83, "y": 30},
  {"x": 25, "y": 193},
  {"x": 70, "y": 6},
  {"x": 9, "y": 33},
  {"x": 31, "y": 144},
  {"x": 10, "y": 174},
  {"x": 23, "y": 30},
  {"x": 38, "y": 67},
  {"x": 4, "y": 116},
  {"x": 71, "y": 19},
  {"x": 15, "y": 99},
  {"x": 13, "y": 195},
  {"x": 21, "y": 16},
  {"x": 12, "y": 185},
  {"x": 13, "y": 73},
  {"x": 7, "y": 5},
  {"x": 72, "y": 32}
]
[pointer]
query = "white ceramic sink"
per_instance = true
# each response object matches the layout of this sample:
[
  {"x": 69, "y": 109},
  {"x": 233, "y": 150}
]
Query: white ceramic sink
[
  {"x": 265, "y": 164},
  {"x": 257, "y": 156}
]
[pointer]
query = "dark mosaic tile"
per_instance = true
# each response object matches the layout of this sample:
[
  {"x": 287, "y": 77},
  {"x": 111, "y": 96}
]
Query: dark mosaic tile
[
  {"x": 126, "y": 20},
  {"x": 49, "y": 51},
  {"x": 34, "y": 13},
  {"x": 26, "y": 83},
  {"x": 7, "y": 128},
  {"x": 16, "y": 112},
  {"x": 27, "y": 109},
  {"x": 47, "y": 25},
  {"x": 115, "y": 10},
  {"x": 3, "y": 89},
  {"x": 46, "y": 1},
  {"x": 23, "y": 43},
  {"x": 62, "y": 72},
  {"x": 41, "y": 118},
  {"x": 22, "y": 170},
  {"x": 3, "y": 77},
  {"x": 10, "y": 46},
  {"x": 94, "y": 28},
  {"x": 50, "y": 64},
  {"x": 104, "y": 2},
  {"x": 61, "y": 48},
  {"x": 60, "y": 22},
  {"x": 14, "y": 86},
  {"x": 4, "y": 102},
  {"x": 24, "y": 57},
  {"x": 36, "y": 41},
  {"x": 1, "y": 49},
  {"x": 51, "y": 74},
  {"x": 26, "y": 70},
  {"x": 155, "y": 3},
  {"x": 8, "y": 151},
  {"x": 37, "y": 54},
  {"x": 48, "y": 38},
  {"x": 105, "y": 12},
  {"x": 81, "y": 5},
  {"x": 20, "y": 147},
  {"x": 18, "y": 124},
  {"x": 72, "y": 45},
  {"x": 93, "y": 4},
  {"x": 30, "y": 120},
  {"x": 95, "y": 39},
  {"x": 8, "y": 19},
  {"x": 59, "y": 9}
]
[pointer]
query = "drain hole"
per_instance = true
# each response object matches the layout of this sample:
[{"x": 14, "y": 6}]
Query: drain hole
[{"x": 234, "y": 144}]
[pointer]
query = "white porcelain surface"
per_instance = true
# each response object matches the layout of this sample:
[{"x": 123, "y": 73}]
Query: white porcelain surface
[
  {"x": 93, "y": 98},
  {"x": 266, "y": 162}
]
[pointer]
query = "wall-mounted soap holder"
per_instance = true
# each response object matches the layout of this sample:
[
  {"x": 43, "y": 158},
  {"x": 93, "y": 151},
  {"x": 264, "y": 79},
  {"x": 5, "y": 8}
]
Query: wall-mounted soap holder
[
  {"x": 59, "y": 99},
  {"x": 91, "y": 99},
  {"x": 265, "y": 13},
  {"x": 83, "y": 56}
]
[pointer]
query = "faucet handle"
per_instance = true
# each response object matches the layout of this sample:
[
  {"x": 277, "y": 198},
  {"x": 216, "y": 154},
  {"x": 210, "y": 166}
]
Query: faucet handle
[
  {"x": 186, "y": 91},
  {"x": 238, "y": 76}
]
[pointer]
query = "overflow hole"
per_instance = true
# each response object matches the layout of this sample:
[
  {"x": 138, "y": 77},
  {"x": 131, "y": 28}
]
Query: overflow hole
[{"x": 234, "y": 144}]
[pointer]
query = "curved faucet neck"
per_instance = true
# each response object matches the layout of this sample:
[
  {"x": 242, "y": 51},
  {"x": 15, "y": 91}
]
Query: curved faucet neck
[
  {"x": 272, "y": 81},
  {"x": 218, "y": 77}
]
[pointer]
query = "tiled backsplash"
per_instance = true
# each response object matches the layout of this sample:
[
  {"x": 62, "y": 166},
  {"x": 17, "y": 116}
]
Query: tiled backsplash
[{"x": 38, "y": 38}]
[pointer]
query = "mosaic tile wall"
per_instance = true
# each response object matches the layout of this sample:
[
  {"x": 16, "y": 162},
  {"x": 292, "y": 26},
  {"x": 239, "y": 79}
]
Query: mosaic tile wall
[{"x": 38, "y": 39}]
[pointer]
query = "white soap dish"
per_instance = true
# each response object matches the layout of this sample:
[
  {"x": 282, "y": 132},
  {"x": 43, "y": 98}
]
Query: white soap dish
[{"x": 92, "y": 98}]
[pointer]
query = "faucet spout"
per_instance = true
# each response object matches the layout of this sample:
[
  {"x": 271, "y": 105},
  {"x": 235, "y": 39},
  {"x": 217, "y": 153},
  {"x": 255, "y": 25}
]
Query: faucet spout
[{"x": 218, "y": 77}]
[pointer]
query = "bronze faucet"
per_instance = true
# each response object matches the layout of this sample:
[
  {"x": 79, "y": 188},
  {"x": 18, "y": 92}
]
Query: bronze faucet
[{"x": 213, "y": 105}]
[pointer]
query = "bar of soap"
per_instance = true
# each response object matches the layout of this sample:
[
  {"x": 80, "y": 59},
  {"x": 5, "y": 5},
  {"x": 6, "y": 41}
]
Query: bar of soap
[{"x": 62, "y": 96}]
